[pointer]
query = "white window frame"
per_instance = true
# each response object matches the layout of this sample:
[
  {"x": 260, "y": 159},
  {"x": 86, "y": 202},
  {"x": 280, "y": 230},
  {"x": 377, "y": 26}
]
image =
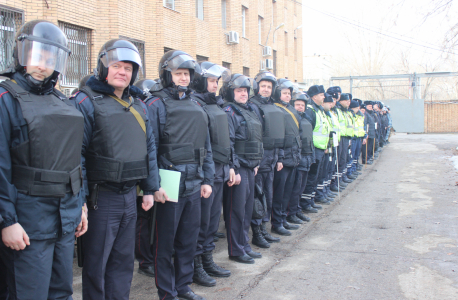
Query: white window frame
[
  {"x": 224, "y": 14},
  {"x": 169, "y": 4},
  {"x": 260, "y": 29},
  {"x": 244, "y": 9}
]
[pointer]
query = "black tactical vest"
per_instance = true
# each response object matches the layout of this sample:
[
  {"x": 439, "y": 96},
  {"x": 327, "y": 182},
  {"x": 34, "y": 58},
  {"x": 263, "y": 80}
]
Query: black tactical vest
[
  {"x": 49, "y": 163},
  {"x": 306, "y": 136},
  {"x": 183, "y": 139},
  {"x": 251, "y": 148},
  {"x": 292, "y": 135},
  {"x": 219, "y": 132},
  {"x": 274, "y": 126},
  {"x": 118, "y": 150}
]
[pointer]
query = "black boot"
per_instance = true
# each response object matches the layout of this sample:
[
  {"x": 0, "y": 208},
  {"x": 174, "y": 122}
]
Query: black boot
[
  {"x": 201, "y": 277},
  {"x": 303, "y": 217},
  {"x": 211, "y": 267},
  {"x": 258, "y": 238},
  {"x": 309, "y": 209},
  {"x": 267, "y": 236}
]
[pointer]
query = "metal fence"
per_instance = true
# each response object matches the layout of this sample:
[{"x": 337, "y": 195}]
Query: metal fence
[
  {"x": 441, "y": 116},
  {"x": 10, "y": 21},
  {"x": 79, "y": 62}
]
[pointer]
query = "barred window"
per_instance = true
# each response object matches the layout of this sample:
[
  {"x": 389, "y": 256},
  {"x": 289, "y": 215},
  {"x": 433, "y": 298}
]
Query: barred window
[
  {"x": 141, "y": 50},
  {"x": 79, "y": 62},
  {"x": 10, "y": 21}
]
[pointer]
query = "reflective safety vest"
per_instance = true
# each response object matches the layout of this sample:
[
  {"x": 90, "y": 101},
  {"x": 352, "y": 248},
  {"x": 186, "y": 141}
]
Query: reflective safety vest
[
  {"x": 321, "y": 130},
  {"x": 350, "y": 124},
  {"x": 359, "y": 126},
  {"x": 342, "y": 123},
  {"x": 335, "y": 124}
]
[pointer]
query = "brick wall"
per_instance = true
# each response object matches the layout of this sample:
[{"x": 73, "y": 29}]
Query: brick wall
[
  {"x": 441, "y": 117},
  {"x": 159, "y": 27}
]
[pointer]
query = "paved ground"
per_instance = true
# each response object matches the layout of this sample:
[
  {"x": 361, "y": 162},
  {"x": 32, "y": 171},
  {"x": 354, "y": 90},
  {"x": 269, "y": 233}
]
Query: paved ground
[{"x": 393, "y": 235}]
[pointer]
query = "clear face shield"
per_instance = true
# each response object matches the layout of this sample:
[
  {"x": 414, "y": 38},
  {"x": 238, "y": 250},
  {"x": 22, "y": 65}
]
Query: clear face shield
[
  {"x": 181, "y": 61},
  {"x": 121, "y": 54},
  {"x": 41, "y": 54},
  {"x": 217, "y": 71}
]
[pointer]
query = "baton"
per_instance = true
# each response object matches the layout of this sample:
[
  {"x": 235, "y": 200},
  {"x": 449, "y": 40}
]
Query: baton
[
  {"x": 153, "y": 224},
  {"x": 335, "y": 142}
]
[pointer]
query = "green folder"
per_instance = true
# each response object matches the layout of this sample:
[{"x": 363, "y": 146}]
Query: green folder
[{"x": 170, "y": 182}]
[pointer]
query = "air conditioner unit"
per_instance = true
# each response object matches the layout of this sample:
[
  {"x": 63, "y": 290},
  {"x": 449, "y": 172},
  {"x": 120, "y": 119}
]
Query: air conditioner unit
[
  {"x": 232, "y": 37},
  {"x": 269, "y": 64},
  {"x": 267, "y": 51},
  {"x": 263, "y": 65}
]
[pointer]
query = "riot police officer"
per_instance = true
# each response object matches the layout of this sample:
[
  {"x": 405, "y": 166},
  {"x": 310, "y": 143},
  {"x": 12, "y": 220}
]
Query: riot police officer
[
  {"x": 245, "y": 131},
  {"x": 40, "y": 175},
  {"x": 144, "y": 226},
  {"x": 284, "y": 178},
  {"x": 181, "y": 133},
  {"x": 369, "y": 125},
  {"x": 115, "y": 119},
  {"x": 205, "y": 84},
  {"x": 301, "y": 101},
  {"x": 321, "y": 129},
  {"x": 346, "y": 134},
  {"x": 273, "y": 126}
]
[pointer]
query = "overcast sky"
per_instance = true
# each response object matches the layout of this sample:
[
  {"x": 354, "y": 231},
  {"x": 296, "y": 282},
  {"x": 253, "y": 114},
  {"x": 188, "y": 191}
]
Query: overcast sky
[{"x": 329, "y": 25}]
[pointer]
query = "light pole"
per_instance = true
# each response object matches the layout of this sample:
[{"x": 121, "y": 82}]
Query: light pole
[
  {"x": 298, "y": 27},
  {"x": 278, "y": 27}
]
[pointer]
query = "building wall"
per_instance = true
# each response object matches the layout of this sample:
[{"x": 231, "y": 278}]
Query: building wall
[{"x": 159, "y": 27}]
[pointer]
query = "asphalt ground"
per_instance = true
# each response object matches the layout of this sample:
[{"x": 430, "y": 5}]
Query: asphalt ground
[{"x": 392, "y": 235}]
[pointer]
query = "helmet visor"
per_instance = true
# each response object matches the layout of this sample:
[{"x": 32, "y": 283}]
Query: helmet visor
[
  {"x": 286, "y": 85},
  {"x": 181, "y": 61},
  {"x": 121, "y": 54},
  {"x": 243, "y": 82},
  {"x": 38, "y": 54},
  {"x": 216, "y": 71},
  {"x": 266, "y": 76}
]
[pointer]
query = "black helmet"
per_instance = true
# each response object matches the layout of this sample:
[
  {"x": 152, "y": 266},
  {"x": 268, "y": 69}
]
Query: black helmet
[
  {"x": 283, "y": 84},
  {"x": 83, "y": 81},
  {"x": 265, "y": 76},
  {"x": 32, "y": 39},
  {"x": 148, "y": 86},
  {"x": 208, "y": 70},
  {"x": 236, "y": 81},
  {"x": 300, "y": 96},
  {"x": 114, "y": 51},
  {"x": 173, "y": 60}
]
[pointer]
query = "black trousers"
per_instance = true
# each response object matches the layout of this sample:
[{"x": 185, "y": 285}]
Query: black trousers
[
  {"x": 177, "y": 227},
  {"x": 370, "y": 150},
  {"x": 43, "y": 270},
  {"x": 322, "y": 175},
  {"x": 143, "y": 248},
  {"x": 265, "y": 181},
  {"x": 312, "y": 180},
  {"x": 300, "y": 181},
  {"x": 209, "y": 218},
  {"x": 238, "y": 210},
  {"x": 283, "y": 185},
  {"x": 109, "y": 247},
  {"x": 343, "y": 153},
  {"x": 3, "y": 278}
]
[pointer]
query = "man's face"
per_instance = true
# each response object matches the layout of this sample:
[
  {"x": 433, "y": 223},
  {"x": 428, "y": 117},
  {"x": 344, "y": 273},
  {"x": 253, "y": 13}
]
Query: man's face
[
  {"x": 355, "y": 109},
  {"x": 181, "y": 77},
  {"x": 265, "y": 88},
  {"x": 345, "y": 103},
  {"x": 240, "y": 95},
  {"x": 338, "y": 96},
  {"x": 369, "y": 107},
  {"x": 318, "y": 98},
  {"x": 363, "y": 110},
  {"x": 285, "y": 95},
  {"x": 327, "y": 106},
  {"x": 120, "y": 74},
  {"x": 376, "y": 108},
  {"x": 212, "y": 84},
  {"x": 299, "y": 105},
  {"x": 45, "y": 63}
]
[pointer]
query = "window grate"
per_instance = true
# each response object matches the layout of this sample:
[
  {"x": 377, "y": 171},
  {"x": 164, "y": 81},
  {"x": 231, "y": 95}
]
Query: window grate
[
  {"x": 79, "y": 62},
  {"x": 10, "y": 22},
  {"x": 141, "y": 50}
]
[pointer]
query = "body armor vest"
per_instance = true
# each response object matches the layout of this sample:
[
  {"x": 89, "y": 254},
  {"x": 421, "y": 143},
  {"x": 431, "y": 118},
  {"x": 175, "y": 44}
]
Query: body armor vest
[
  {"x": 219, "y": 132},
  {"x": 251, "y": 148},
  {"x": 274, "y": 127},
  {"x": 118, "y": 150},
  {"x": 49, "y": 163},
  {"x": 306, "y": 136},
  {"x": 183, "y": 139},
  {"x": 292, "y": 135}
]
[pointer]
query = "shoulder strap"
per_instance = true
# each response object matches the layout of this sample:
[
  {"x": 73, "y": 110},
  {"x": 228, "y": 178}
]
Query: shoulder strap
[{"x": 288, "y": 111}]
